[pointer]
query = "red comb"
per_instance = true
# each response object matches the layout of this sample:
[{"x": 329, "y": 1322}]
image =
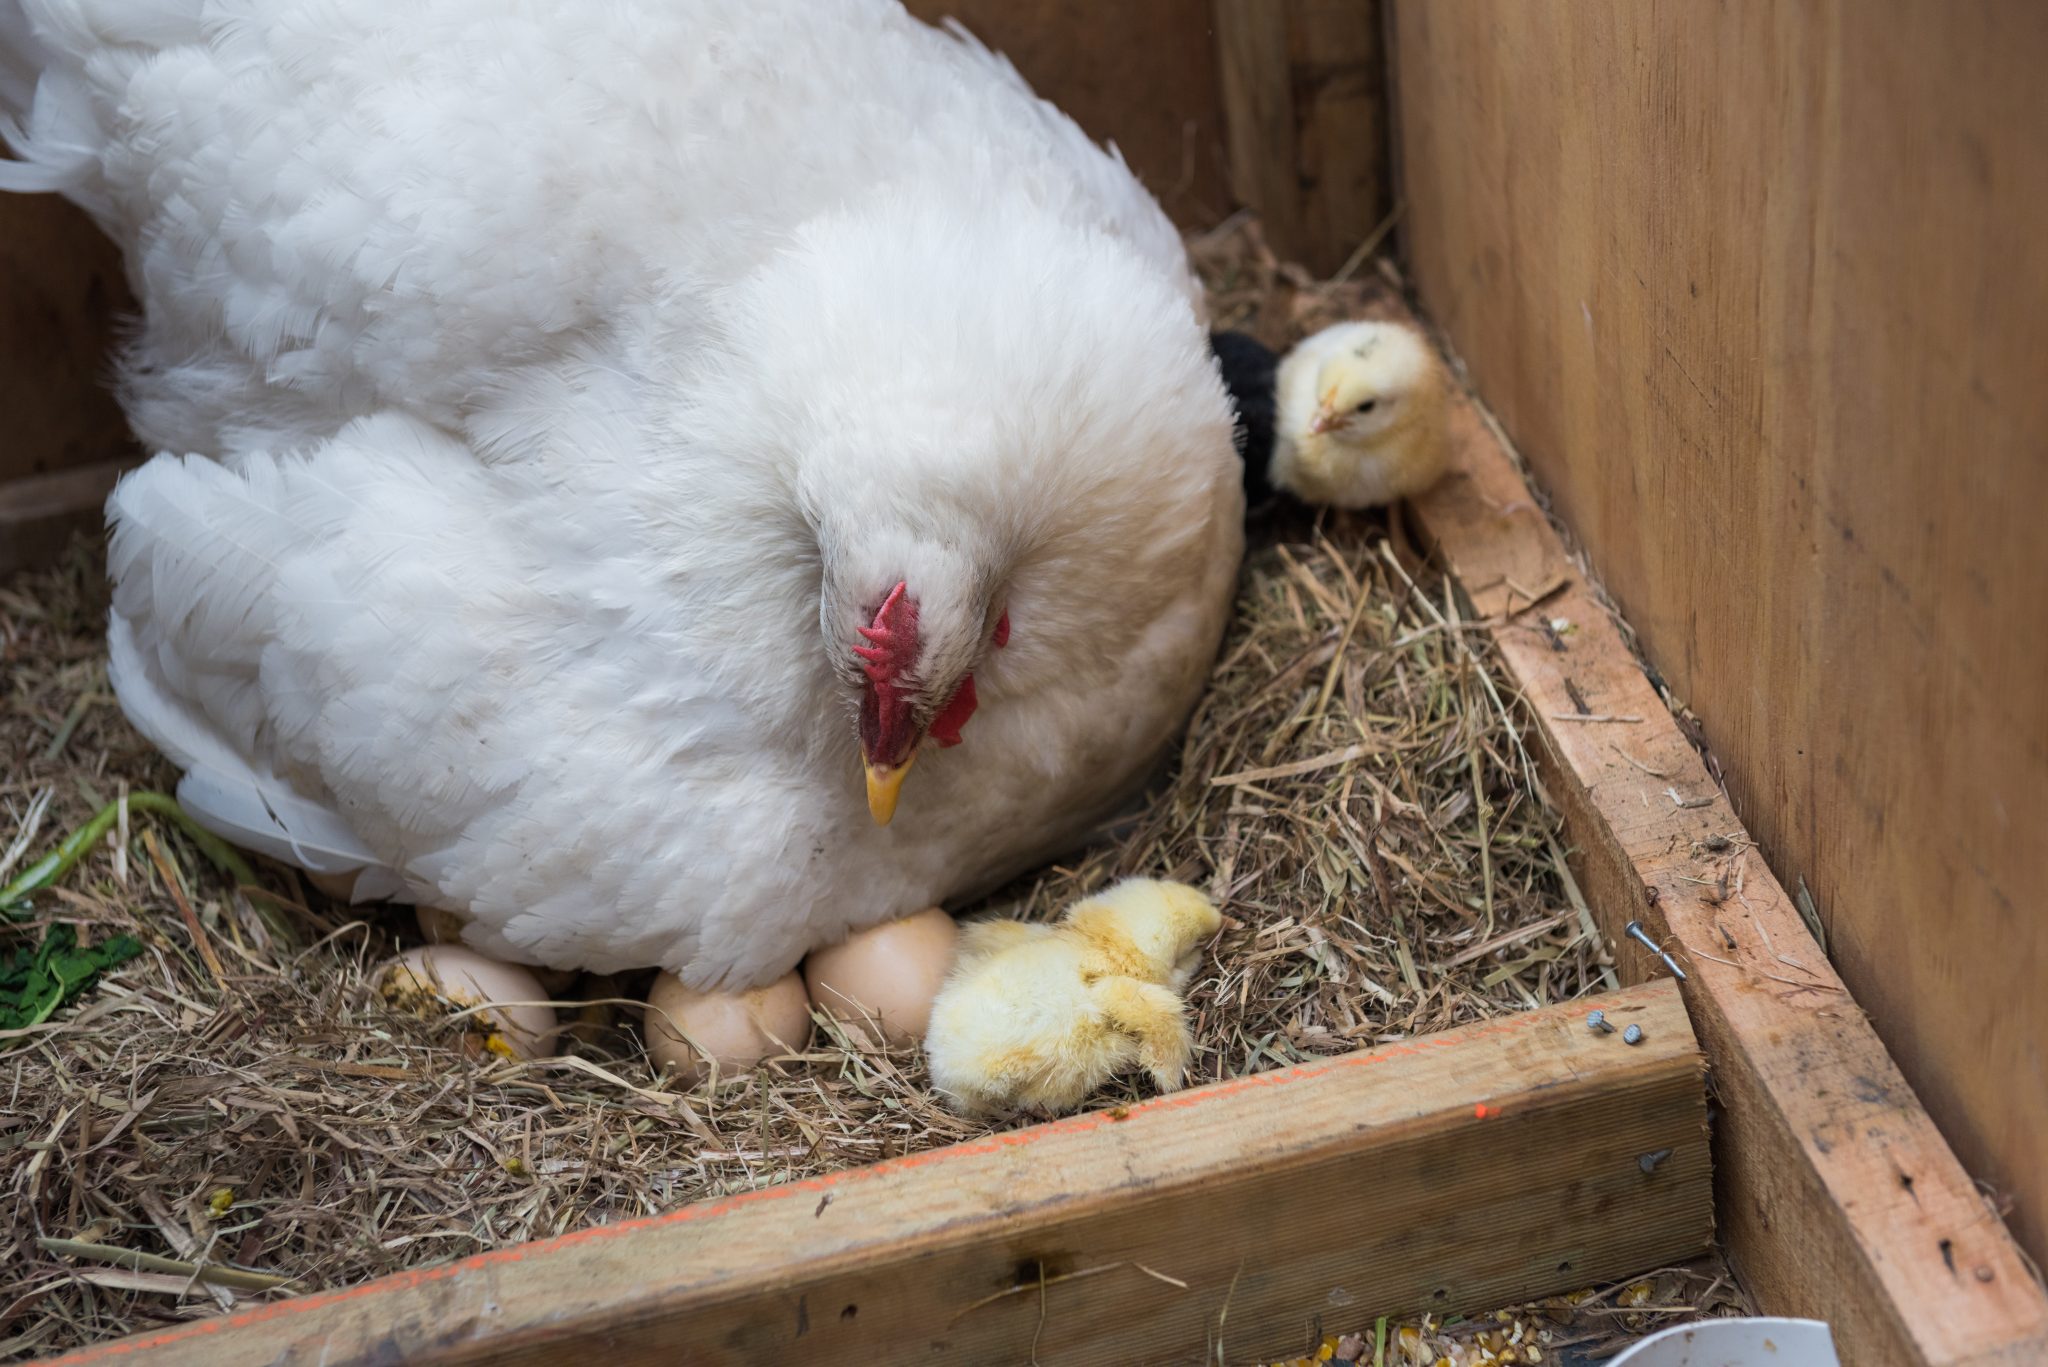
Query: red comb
[{"x": 892, "y": 640}]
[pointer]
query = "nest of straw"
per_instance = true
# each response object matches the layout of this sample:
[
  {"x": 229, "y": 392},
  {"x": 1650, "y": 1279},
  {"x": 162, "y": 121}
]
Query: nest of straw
[{"x": 237, "y": 1114}]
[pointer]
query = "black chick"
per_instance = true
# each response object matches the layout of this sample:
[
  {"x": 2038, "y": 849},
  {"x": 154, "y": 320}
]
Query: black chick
[{"x": 1251, "y": 374}]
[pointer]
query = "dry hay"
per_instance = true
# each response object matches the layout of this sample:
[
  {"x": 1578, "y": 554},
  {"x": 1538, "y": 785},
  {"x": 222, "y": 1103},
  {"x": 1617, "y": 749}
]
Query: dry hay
[
  {"x": 1573, "y": 1330},
  {"x": 1353, "y": 786}
]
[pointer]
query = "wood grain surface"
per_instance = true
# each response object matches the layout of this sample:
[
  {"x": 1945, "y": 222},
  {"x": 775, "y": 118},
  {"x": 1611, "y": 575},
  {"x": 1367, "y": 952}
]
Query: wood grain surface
[
  {"x": 1838, "y": 1198},
  {"x": 61, "y": 292},
  {"x": 1305, "y": 104},
  {"x": 1759, "y": 291}
]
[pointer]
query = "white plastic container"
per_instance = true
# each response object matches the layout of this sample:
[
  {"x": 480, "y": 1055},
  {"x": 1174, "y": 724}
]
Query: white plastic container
[{"x": 1736, "y": 1343}]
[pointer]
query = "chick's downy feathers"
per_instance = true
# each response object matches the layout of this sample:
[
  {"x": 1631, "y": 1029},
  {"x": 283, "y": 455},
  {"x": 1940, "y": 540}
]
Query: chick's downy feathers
[
  {"x": 1361, "y": 418},
  {"x": 1035, "y": 1017}
]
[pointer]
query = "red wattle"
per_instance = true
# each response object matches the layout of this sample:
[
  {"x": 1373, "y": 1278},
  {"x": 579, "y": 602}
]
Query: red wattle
[{"x": 945, "y": 728}]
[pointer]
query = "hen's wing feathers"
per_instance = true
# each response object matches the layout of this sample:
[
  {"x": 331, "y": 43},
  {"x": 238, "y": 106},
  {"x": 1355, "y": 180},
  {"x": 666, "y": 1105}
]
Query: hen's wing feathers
[
  {"x": 200, "y": 636},
  {"x": 421, "y": 656},
  {"x": 195, "y": 554}
]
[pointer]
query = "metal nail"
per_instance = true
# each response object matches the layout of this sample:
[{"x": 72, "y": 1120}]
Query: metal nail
[
  {"x": 1648, "y": 1161},
  {"x": 1597, "y": 1020},
  {"x": 1632, "y": 1035},
  {"x": 1636, "y": 932}
]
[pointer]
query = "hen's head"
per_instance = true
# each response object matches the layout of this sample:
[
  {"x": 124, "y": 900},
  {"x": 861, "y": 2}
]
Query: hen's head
[
  {"x": 1011, "y": 453},
  {"x": 900, "y": 709}
]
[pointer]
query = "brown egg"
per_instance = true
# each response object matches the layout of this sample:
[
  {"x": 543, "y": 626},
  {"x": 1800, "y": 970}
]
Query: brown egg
[
  {"x": 436, "y": 980},
  {"x": 889, "y": 973},
  {"x": 738, "y": 1029}
]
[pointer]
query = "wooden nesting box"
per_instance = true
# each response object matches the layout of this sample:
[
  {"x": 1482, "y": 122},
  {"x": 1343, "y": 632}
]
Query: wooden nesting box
[{"x": 1755, "y": 291}]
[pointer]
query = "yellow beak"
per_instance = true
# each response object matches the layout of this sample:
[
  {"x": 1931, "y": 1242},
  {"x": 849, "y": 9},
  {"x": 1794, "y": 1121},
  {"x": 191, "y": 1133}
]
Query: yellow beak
[{"x": 884, "y": 783}]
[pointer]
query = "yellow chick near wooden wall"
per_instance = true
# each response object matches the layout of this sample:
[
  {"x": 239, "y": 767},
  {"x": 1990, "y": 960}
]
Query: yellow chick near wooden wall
[
  {"x": 1361, "y": 416},
  {"x": 1035, "y": 1017}
]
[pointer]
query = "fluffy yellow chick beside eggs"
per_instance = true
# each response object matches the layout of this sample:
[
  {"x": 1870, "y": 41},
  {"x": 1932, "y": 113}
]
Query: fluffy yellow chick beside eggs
[
  {"x": 1361, "y": 416},
  {"x": 1035, "y": 1017}
]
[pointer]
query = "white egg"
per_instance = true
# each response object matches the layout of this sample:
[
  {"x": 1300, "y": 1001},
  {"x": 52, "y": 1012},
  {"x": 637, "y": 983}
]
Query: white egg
[
  {"x": 737, "y": 1029},
  {"x": 888, "y": 973},
  {"x": 437, "y": 980}
]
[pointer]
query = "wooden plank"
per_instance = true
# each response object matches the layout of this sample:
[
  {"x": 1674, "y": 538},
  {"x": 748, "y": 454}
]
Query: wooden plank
[
  {"x": 1837, "y": 1196},
  {"x": 1305, "y": 100},
  {"x": 38, "y": 514},
  {"x": 1139, "y": 72},
  {"x": 1258, "y": 103},
  {"x": 61, "y": 290},
  {"x": 1758, "y": 290},
  {"x": 1337, "y": 50},
  {"x": 1506, "y": 1159}
]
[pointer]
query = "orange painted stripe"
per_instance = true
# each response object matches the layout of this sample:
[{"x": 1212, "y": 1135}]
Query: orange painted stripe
[{"x": 704, "y": 1210}]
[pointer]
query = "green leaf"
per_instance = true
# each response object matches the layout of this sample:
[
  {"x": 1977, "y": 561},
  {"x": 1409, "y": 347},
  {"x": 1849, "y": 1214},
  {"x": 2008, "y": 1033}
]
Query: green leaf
[{"x": 36, "y": 981}]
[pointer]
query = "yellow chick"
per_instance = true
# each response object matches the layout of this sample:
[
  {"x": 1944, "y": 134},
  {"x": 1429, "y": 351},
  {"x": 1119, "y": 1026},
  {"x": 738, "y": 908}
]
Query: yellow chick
[
  {"x": 1361, "y": 421},
  {"x": 1035, "y": 1017}
]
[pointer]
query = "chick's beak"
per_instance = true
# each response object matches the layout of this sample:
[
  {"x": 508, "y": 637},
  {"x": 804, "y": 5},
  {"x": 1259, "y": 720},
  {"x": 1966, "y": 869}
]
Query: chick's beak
[
  {"x": 885, "y": 781},
  {"x": 1325, "y": 420}
]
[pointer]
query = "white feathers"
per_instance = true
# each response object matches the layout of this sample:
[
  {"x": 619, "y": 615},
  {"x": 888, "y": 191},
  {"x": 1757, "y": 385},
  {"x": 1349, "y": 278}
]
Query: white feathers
[{"x": 566, "y": 380}]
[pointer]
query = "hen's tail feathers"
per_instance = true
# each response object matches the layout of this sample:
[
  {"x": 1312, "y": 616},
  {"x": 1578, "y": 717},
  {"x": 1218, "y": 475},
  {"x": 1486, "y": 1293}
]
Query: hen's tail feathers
[{"x": 271, "y": 820}]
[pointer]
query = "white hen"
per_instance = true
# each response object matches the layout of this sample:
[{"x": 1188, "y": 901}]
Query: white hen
[{"x": 573, "y": 385}]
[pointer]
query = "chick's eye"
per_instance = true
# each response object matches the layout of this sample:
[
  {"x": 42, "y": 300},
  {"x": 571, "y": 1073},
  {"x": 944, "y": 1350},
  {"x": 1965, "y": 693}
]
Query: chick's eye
[{"x": 1368, "y": 406}]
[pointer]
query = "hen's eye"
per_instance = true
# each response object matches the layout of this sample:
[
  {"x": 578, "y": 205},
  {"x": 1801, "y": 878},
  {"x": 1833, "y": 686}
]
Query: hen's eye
[{"x": 1368, "y": 406}]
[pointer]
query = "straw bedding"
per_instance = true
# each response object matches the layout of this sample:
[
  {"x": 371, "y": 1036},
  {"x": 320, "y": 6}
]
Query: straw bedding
[{"x": 1353, "y": 787}]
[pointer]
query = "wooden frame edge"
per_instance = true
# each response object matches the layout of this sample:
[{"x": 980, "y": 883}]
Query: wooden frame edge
[
  {"x": 1837, "y": 1196},
  {"x": 1503, "y": 1160}
]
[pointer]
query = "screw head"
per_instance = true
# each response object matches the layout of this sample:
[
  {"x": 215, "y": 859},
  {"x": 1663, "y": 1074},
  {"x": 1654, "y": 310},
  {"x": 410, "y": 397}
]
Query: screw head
[{"x": 1632, "y": 1035}]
